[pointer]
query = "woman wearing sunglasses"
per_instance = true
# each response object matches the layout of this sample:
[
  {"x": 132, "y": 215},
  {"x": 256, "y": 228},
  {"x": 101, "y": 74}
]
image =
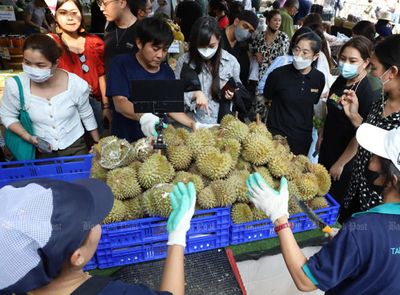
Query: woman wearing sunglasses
[{"x": 83, "y": 56}]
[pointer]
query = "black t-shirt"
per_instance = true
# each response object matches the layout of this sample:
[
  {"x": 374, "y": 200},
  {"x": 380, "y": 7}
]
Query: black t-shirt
[
  {"x": 338, "y": 130},
  {"x": 118, "y": 41},
  {"x": 293, "y": 97},
  {"x": 240, "y": 51},
  {"x": 188, "y": 11}
]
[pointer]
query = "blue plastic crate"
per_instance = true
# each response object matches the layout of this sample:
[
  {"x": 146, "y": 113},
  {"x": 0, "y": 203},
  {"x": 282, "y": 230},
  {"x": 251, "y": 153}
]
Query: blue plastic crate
[
  {"x": 264, "y": 229},
  {"x": 113, "y": 257},
  {"x": 63, "y": 168},
  {"x": 92, "y": 264},
  {"x": 146, "y": 230}
]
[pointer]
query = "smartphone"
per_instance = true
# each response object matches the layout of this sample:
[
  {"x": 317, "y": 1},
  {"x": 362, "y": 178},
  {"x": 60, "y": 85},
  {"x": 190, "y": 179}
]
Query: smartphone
[
  {"x": 230, "y": 85},
  {"x": 44, "y": 146}
]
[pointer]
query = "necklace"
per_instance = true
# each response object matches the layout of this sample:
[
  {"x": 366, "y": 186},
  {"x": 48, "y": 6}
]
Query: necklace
[{"x": 119, "y": 37}]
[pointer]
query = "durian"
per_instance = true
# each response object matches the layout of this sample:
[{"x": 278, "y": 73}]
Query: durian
[
  {"x": 258, "y": 214},
  {"x": 235, "y": 129},
  {"x": 214, "y": 164},
  {"x": 293, "y": 207},
  {"x": 117, "y": 213},
  {"x": 224, "y": 192},
  {"x": 116, "y": 153},
  {"x": 143, "y": 148},
  {"x": 123, "y": 183},
  {"x": 230, "y": 146},
  {"x": 207, "y": 199},
  {"x": 187, "y": 177},
  {"x": 180, "y": 156},
  {"x": 257, "y": 149},
  {"x": 157, "y": 201},
  {"x": 102, "y": 142},
  {"x": 264, "y": 172},
  {"x": 97, "y": 171},
  {"x": 307, "y": 185},
  {"x": 323, "y": 178},
  {"x": 278, "y": 166},
  {"x": 238, "y": 181},
  {"x": 241, "y": 213},
  {"x": 199, "y": 140},
  {"x": 156, "y": 169},
  {"x": 134, "y": 208},
  {"x": 318, "y": 203}
]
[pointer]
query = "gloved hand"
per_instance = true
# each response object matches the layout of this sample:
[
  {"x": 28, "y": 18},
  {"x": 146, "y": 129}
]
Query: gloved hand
[
  {"x": 183, "y": 200},
  {"x": 148, "y": 124},
  {"x": 264, "y": 197},
  {"x": 199, "y": 125}
]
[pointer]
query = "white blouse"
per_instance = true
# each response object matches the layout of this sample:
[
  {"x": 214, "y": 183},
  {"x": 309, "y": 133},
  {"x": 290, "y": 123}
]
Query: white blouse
[{"x": 58, "y": 120}]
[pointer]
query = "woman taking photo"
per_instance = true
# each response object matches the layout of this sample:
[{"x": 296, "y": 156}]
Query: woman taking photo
[
  {"x": 385, "y": 113},
  {"x": 83, "y": 56},
  {"x": 270, "y": 44},
  {"x": 337, "y": 138},
  {"x": 57, "y": 101},
  {"x": 214, "y": 67},
  {"x": 293, "y": 90}
]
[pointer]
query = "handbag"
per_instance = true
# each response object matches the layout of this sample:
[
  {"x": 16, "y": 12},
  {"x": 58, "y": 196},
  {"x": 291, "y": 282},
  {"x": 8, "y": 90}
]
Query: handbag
[{"x": 20, "y": 148}]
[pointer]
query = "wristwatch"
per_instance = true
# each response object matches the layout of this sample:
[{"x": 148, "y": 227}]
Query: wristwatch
[{"x": 282, "y": 226}]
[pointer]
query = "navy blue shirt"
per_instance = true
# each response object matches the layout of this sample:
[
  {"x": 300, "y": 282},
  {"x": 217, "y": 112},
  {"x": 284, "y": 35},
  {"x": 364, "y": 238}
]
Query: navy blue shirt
[
  {"x": 363, "y": 258},
  {"x": 125, "y": 68},
  {"x": 120, "y": 288}
]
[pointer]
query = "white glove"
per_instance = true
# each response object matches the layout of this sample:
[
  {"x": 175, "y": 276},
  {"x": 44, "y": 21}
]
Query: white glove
[
  {"x": 264, "y": 197},
  {"x": 199, "y": 125},
  {"x": 183, "y": 200},
  {"x": 148, "y": 124}
]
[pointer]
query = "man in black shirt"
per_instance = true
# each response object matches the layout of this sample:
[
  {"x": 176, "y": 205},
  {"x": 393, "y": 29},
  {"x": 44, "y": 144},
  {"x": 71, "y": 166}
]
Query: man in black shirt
[
  {"x": 187, "y": 12},
  {"x": 119, "y": 35},
  {"x": 234, "y": 40}
]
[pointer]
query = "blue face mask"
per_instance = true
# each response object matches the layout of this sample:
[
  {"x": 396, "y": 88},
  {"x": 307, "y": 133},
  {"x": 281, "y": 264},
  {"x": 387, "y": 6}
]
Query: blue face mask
[{"x": 348, "y": 71}]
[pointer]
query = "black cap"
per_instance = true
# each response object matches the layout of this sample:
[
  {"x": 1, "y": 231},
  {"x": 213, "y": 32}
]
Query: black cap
[{"x": 250, "y": 17}]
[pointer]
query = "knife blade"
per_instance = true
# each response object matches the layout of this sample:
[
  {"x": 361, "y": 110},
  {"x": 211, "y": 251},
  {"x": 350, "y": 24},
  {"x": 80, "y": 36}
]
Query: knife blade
[{"x": 314, "y": 217}]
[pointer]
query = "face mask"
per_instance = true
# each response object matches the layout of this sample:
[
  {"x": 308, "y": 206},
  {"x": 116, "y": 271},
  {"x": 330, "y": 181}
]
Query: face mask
[
  {"x": 207, "y": 53},
  {"x": 380, "y": 78},
  {"x": 301, "y": 63},
  {"x": 272, "y": 30},
  {"x": 348, "y": 71},
  {"x": 371, "y": 176},
  {"x": 37, "y": 75},
  {"x": 241, "y": 34}
]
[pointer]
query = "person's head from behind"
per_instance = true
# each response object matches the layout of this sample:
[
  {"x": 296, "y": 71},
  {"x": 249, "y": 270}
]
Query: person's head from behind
[
  {"x": 383, "y": 171},
  {"x": 114, "y": 10},
  {"x": 364, "y": 28},
  {"x": 315, "y": 8},
  {"x": 56, "y": 227},
  {"x": 41, "y": 54},
  {"x": 217, "y": 7},
  {"x": 69, "y": 16},
  {"x": 313, "y": 18},
  {"x": 385, "y": 63},
  {"x": 245, "y": 24},
  {"x": 354, "y": 57},
  {"x": 153, "y": 38},
  {"x": 235, "y": 9},
  {"x": 291, "y": 6},
  {"x": 306, "y": 50},
  {"x": 273, "y": 19},
  {"x": 141, "y": 8},
  {"x": 205, "y": 47}
]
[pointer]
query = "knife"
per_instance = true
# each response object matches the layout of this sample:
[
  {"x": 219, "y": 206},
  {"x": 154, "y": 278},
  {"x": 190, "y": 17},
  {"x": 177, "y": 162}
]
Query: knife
[{"x": 315, "y": 218}]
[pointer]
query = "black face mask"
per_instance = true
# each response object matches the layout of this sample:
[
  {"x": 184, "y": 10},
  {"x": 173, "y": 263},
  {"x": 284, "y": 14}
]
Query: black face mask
[
  {"x": 272, "y": 30},
  {"x": 371, "y": 176}
]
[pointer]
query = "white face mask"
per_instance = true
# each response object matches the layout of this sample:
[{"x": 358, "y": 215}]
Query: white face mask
[
  {"x": 207, "y": 53},
  {"x": 37, "y": 75},
  {"x": 301, "y": 63}
]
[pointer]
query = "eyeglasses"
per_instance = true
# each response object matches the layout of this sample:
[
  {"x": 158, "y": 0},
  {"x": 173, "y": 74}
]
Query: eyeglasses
[
  {"x": 298, "y": 51},
  {"x": 85, "y": 67},
  {"x": 104, "y": 3}
]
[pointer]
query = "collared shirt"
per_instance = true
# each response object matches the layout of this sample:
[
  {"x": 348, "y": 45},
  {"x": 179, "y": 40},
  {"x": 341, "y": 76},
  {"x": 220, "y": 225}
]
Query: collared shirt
[
  {"x": 293, "y": 97},
  {"x": 229, "y": 68},
  {"x": 56, "y": 120},
  {"x": 363, "y": 258},
  {"x": 287, "y": 23}
]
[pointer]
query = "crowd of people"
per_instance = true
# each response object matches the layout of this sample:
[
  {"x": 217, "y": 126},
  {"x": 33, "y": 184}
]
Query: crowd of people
[{"x": 77, "y": 87}]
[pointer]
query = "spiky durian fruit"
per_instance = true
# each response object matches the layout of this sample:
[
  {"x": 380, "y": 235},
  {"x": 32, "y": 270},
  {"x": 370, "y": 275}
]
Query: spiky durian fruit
[
  {"x": 199, "y": 140},
  {"x": 224, "y": 192},
  {"x": 135, "y": 165},
  {"x": 117, "y": 213},
  {"x": 226, "y": 120},
  {"x": 293, "y": 190},
  {"x": 258, "y": 214},
  {"x": 257, "y": 149},
  {"x": 278, "y": 166},
  {"x": 301, "y": 163},
  {"x": 243, "y": 165},
  {"x": 241, "y": 213},
  {"x": 180, "y": 156},
  {"x": 103, "y": 141},
  {"x": 156, "y": 169},
  {"x": 97, "y": 171},
  {"x": 259, "y": 128},
  {"x": 214, "y": 164},
  {"x": 238, "y": 181},
  {"x": 175, "y": 136},
  {"x": 307, "y": 185},
  {"x": 143, "y": 148},
  {"x": 323, "y": 178},
  {"x": 187, "y": 177},
  {"x": 235, "y": 129},
  {"x": 293, "y": 207},
  {"x": 264, "y": 172},
  {"x": 282, "y": 142},
  {"x": 206, "y": 198},
  {"x": 123, "y": 183},
  {"x": 230, "y": 146},
  {"x": 116, "y": 153},
  {"x": 156, "y": 200},
  {"x": 134, "y": 208},
  {"x": 318, "y": 203}
]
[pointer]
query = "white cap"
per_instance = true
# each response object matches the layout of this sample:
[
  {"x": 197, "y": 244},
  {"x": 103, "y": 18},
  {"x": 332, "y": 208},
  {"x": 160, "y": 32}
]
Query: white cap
[
  {"x": 385, "y": 15},
  {"x": 380, "y": 142}
]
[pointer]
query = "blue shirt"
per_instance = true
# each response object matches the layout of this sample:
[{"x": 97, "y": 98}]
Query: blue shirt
[
  {"x": 125, "y": 68},
  {"x": 120, "y": 288},
  {"x": 364, "y": 257}
]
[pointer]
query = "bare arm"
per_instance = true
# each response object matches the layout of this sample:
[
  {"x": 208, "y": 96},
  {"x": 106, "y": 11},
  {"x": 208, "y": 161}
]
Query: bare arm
[
  {"x": 173, "y": 278},
  {"x": 125, "y": 107},
  {"x": 294, "y": 257},
  {"x": 102, "y": 85},
  {"x": 349, "y": 152},
  {"x": 183, "y": 119},
  {"x": 18, "y": 129},
  {"x": 28, "y": 21}
]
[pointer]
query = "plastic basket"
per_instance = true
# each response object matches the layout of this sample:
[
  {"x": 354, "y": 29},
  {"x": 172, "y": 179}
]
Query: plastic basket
[
  {"x": 63, "y": 168},
  {"x": 264, "y": 229},
  {"x": 145, "y": 239}
]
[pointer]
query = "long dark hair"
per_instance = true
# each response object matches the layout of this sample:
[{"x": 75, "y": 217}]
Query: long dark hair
[
  {"x": 200, "y": 36},
  {"x": 45, "y": 45},
  {"x": 387, "y": 51},
  {"x": 362, "y": 44},
  {"x": 81, "y": 29}
]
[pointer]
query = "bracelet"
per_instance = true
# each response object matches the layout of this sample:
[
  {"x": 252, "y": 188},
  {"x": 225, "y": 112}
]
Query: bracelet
[{"x": 282, "y": 226}]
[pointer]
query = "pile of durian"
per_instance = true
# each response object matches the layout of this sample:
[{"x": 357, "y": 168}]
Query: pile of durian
[{"x": 217, "y": 160}]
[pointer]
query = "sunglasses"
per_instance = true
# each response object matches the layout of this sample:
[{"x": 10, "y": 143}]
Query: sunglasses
[{"x": 85, "y": 67}]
